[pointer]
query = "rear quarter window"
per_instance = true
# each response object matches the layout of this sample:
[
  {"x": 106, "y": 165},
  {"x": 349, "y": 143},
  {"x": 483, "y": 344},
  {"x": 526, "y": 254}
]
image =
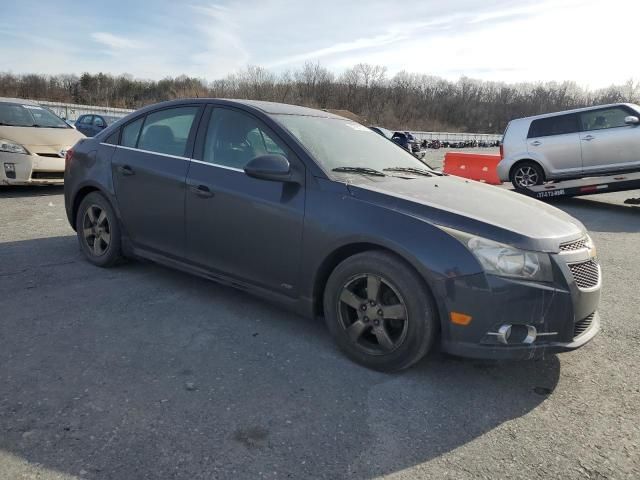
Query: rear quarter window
[
  {"x": 130, "y": 133},
  {"x": 558, "y": 125}
]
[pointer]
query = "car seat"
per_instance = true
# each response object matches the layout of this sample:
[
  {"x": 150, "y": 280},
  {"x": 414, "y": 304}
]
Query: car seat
[{"x": 160, "y": 138}]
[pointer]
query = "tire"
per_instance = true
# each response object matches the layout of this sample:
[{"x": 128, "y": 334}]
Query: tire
[
  {"x": 526, "y": 174},
  {"x": 92, "y": 226},
  {"x": 393, "y": 332}
]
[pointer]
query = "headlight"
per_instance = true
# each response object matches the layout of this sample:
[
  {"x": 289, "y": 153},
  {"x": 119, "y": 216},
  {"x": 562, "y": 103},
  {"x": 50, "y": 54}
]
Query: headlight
[
  {"x": 11, "y": 147},
  {"x": 504, "y": 260}
]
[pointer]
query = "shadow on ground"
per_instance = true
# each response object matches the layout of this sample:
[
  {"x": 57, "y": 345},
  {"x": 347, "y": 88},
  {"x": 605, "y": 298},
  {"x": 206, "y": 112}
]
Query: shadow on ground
[
  {"x": 143, "y": 372},
  {"x": 601, "y": 216},
  {"x": 19, "y": 191}
]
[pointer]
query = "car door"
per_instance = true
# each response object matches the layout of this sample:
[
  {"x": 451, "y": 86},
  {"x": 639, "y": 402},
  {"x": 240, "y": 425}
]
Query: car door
[
  {"x": 555, "y": 143},
  {"x": 608, "y": 142},
  {"x": 149, "y": 169},
  {"x": 84, "y": 125},
  {"x": 98, "y": 124},
  {"x": 239, "y": 226}
]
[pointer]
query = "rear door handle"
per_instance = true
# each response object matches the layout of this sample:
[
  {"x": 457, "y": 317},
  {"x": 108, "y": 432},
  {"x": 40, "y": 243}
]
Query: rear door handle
[
  {"x": 126, "y": 170},
  {"x": 588, "y": 138},
  {"x": 201, "y": 190},
  {"x": 536, "y": 143}
]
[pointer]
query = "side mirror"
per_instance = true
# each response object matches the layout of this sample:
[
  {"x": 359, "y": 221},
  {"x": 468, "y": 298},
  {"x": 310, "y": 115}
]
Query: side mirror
[
  {"x": 632, "y": 120},
  {"x": 270, "y": 167}
]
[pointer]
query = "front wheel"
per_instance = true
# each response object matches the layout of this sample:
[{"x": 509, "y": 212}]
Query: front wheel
[
  {"x": 527, "y": 174},
  {"x": 379, "y": 311}
]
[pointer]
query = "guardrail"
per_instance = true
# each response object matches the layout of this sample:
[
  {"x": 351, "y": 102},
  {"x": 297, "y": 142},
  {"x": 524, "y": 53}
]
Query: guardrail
[
  {"x": 71, "y": 111},
  {"x": 457, "y": 136}
]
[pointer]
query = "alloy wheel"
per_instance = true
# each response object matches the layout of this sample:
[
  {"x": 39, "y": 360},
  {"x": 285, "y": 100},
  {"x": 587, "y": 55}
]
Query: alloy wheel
[
  {"x": 526, "y": 176},
  {"x": 373, "y": 313},
  {"x": 96, "y": 230}
]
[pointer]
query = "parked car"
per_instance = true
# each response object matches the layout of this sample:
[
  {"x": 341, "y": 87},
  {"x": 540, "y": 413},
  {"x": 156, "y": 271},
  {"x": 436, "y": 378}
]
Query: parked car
[
  {"x": 383, "y": 131},
  {"x": 571, "y": 144},
  {"x": 33, "y": 143},
  {"x": 326, "y": 217},
  {"x": 404, "y": 139},
  {"x": 90, "y": 125}
]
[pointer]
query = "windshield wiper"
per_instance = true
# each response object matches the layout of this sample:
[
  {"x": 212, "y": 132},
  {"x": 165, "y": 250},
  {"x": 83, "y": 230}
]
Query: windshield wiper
[
  {"x": 417, "y": 171},
  {"x": 363, "y": 170}
]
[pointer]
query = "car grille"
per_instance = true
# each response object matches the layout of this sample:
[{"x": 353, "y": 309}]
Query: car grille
[
  {"x": 51, "y": 155},
  {"x": 575, "y": 245},
  {"x": 582, "y": 326},
  {"x": 586, "y": 274},
  {"x": 47, "y": 175}
]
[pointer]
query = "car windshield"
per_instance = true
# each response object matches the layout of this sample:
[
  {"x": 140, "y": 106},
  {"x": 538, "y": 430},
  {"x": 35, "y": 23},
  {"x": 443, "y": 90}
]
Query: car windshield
[
  {"x": 337, "y": 143},
  {"x": 17, "y": 115}
]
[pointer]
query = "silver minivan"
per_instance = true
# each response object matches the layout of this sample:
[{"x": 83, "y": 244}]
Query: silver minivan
[{"x": 571, "y": 144}]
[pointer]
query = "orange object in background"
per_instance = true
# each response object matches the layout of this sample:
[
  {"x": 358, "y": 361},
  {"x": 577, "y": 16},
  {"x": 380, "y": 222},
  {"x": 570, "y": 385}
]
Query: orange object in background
[{"x": 474, "y": 166}]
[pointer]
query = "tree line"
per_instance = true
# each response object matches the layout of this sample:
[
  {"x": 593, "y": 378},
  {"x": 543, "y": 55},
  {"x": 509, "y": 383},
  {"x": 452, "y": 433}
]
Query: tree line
[{"x": 404, "y": 101}]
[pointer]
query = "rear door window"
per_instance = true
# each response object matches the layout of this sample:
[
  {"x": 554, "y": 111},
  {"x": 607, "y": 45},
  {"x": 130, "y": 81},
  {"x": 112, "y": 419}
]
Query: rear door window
[
  {"x": 98, "y": 122},
  {"x": 605, "y": 118},
  {"x": 86, "y": 120},
  {"x": 167, "y": 131},
  {"x": 558, "y": 125},
  {"x": 130, "y": 133}
]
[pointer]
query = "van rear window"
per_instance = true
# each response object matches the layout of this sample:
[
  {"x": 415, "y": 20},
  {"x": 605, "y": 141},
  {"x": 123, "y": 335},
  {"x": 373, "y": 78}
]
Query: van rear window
[{"x": 558, "y": 125}]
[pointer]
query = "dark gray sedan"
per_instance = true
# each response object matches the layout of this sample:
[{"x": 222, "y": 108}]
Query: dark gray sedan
[{"x": 330, "y": 219}]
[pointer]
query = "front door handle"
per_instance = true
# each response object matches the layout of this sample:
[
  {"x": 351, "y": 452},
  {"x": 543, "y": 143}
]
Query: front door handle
[
  {"x": 201, "y": 190},
  {"x": 588, "y": 138},
  {"x": 126, "y": 170},
  {"x": 536, "y": 143}
]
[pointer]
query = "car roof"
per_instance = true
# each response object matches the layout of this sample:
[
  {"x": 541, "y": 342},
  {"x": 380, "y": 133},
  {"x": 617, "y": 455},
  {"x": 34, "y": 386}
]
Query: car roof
[
  {"x": 20, "y": 101},
  {"x": 575, "y": 110},
  {"x": 269, "y": 108}
]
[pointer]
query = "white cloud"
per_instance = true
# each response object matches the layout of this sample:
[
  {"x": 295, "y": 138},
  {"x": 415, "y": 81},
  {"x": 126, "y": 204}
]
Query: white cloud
[
  {"x": 114, "y": 41},
  {"x": 589, "y": 41}
]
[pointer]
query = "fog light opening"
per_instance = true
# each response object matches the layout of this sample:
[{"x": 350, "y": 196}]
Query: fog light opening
[
  {"x": 509, "y": 334},
  {"x": 10, "y": 170}
]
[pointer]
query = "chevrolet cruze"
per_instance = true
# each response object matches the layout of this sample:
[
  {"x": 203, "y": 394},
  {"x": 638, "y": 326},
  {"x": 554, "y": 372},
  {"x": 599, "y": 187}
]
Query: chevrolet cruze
[{"x": 332, "y": 220}]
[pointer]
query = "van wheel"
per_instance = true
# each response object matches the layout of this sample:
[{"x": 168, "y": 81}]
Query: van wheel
[
  {"x": 98, "y": 231},
  {"x": 526, "y": 174},
  {"x": 379, "y": 311}
]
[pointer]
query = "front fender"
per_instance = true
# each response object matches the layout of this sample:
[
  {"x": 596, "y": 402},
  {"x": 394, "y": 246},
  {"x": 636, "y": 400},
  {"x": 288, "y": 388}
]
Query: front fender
[{"x": 436, "y": 255}]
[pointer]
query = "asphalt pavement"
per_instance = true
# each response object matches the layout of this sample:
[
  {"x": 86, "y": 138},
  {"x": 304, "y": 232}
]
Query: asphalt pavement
[{"x": 141, "y": 372}]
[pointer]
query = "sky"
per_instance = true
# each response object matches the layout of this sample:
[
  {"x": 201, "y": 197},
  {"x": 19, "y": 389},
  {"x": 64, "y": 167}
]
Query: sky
[{"x": 592, "y": 42}]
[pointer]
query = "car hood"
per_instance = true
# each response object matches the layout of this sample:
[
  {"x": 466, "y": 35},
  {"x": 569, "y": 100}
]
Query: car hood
[
  {"x": 29, "y": 137},
  {"x": 473, "y": 207}
]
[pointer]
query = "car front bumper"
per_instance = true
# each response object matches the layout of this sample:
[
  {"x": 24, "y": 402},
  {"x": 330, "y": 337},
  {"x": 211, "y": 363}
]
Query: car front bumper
[
  {"x": 30, "y": 169},
  {"x": 561, "y": 315}
]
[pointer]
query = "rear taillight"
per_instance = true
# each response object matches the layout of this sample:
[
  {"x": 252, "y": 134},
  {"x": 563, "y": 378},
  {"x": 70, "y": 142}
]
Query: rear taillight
[
  {"x": 67, "y": 158},
  {"x": 501, "y": 150}
]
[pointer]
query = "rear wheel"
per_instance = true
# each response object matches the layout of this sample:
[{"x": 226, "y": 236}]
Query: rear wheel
[
  {"x": 98, "y": 230},
  {"x": 379, "y": 311},
  {"x": 527, "y": 174}
]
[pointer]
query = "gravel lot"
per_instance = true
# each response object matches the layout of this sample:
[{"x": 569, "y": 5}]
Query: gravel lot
[{"x": 144, "y": 372}]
